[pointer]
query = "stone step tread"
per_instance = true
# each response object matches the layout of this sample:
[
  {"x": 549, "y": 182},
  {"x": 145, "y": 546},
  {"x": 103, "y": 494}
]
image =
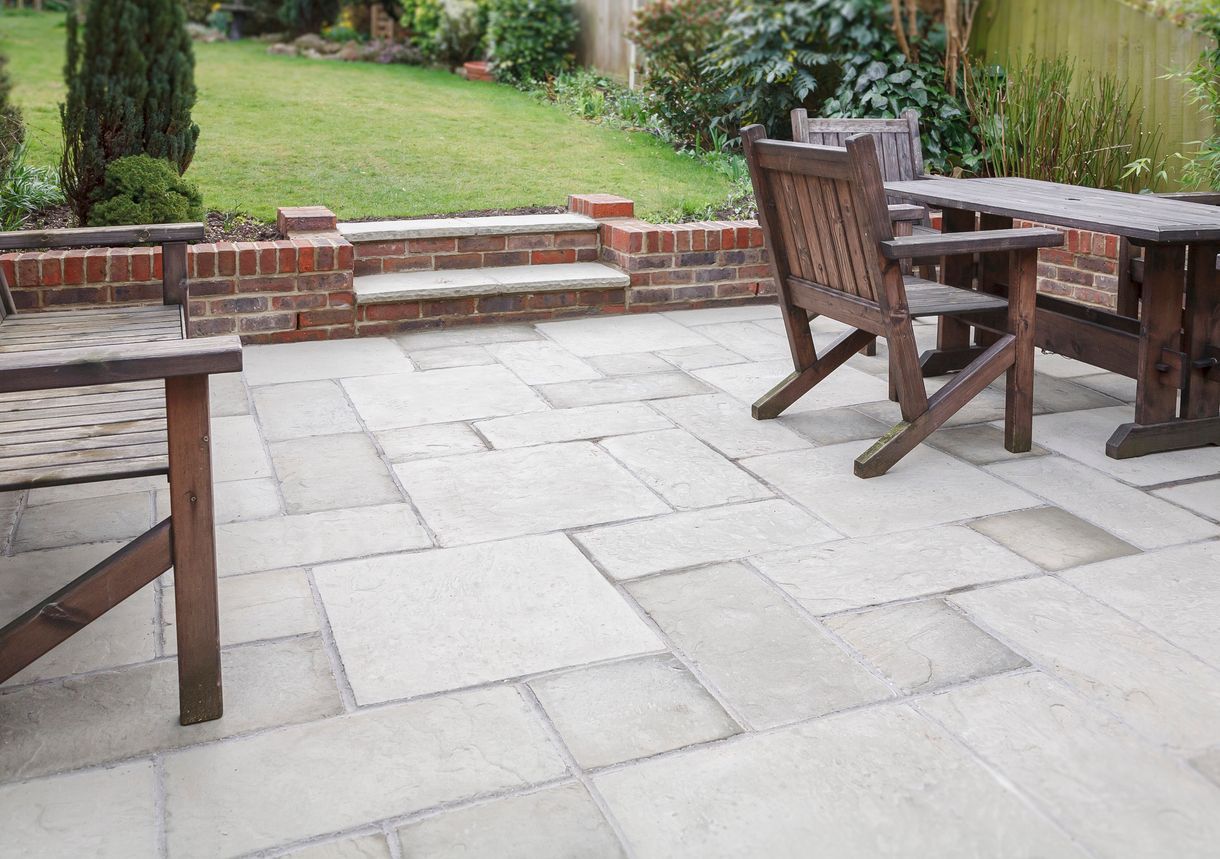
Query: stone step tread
[
  {"x": 440, "y": 228},
  {"x": 499, "y": 280}
]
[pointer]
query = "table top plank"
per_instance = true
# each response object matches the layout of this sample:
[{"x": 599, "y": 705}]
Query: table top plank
[{"x": 1143, "y": 217}]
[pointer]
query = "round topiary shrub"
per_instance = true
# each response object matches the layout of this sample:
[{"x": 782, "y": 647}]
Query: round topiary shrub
[
  {"x": 140, "y": 189},
  {"x": 531, "y": 39}
]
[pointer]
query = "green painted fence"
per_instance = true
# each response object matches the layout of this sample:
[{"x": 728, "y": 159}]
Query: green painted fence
[{"x": 1105, "y": 36}]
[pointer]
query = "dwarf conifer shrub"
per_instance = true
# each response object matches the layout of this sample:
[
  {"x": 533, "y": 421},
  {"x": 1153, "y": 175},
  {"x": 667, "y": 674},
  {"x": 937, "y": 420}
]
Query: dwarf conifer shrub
[
  {"x": 530, "y": 40},
  {"x": 140, "y": 189}
]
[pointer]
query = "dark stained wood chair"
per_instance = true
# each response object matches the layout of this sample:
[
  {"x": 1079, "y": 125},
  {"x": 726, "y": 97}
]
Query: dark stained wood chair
[
  {"x": 1131, "y": 262},
  {"x": 834, "y": 253},
  {"x": 899, "y": 150},
  {"x": 108, "y": 393}
]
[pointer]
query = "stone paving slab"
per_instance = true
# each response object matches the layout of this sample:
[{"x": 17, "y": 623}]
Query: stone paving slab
[
  {"x": 1052, "y": 538},
  {"x": 328, "y": 472},
  {"x": 440, "y": 396},
  {"x": 576, "y": 424},
  {"x": 329, "y": 359},
  {"x": 616, "y": 335},
  {"x": 304, "y": 408}
]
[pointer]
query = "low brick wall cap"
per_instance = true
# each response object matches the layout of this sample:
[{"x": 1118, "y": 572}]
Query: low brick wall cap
[{"x": 305, "y": 219}]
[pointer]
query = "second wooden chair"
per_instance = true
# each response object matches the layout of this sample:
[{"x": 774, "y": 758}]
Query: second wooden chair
[{"x": 833, "y": 253}]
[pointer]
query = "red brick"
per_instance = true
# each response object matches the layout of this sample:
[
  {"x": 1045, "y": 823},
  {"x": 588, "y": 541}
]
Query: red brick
[
  {"x": 341, "y": 299},
  {"x": 323, "y": 257},
  {"x": 205, "y": 288},
  {"x": 247, "y": 259},
  {"x": 95, "y": 265},
  {"x": 527, "y": 242},
  {"x": 304, "y": 219},
  {"x": 432, "y": 246},
  {"x": 382, "y": 312},
  {"x": 287, "y": 283},
  {"x": 448, "y": 307},
  {"x": 27, "y": 270},
  {"x": 480, "y": 243},
  {"x": 287, "y": 253},
  {"x": 576, "y": 240},
  {"x": 51, "y": 266},
  {"x": 213, "y": 325},
  {"x": 316, "y": 318},
  {"x": 74, "y": 267},
  {"x": 412, "y": 263},
  {"x": 305, "y": 258},
  {"x": 243, "y": 304},
  {"x": 204, "y": 257},
  {"x": 268, "y": 260},
  {"x": 226, "y": 259},
  {"x": 601, "y": 206},
  {"x": 344, "y": 254},
  {"x": 587, "y": 255},
  {"x": 365, "y": 250},
  {"x": 324, "y": 281},
  {"x": 506, "y": 258},
  {"x": 452, "y": 261},
  {"x": 74, "y": 295},
  {"x": 297, "y": 301},
  {"x": 552, "y": 257},
  {"x": 367, "y": 266},
  {"x": 148, "y": 291},
  {"x": 267, "y": 322},
  {"x": 156, "y": 264},
  {"x": 8, "y": 267}
]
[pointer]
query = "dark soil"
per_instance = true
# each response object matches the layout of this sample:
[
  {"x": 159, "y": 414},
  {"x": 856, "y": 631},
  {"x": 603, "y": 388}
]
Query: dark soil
[
  {"x": 473, "y": 213},
  {"x": 218, "y": 226}
]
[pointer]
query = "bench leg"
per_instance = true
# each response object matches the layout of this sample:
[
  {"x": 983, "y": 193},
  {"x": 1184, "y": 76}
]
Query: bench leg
[
  {"x": 1019, "y": 390},
  {"x": 194, "y": 548}
]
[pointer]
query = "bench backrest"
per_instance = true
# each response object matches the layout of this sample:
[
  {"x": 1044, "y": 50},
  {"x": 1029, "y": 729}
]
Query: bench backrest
[{"x": 899, "y": 151}]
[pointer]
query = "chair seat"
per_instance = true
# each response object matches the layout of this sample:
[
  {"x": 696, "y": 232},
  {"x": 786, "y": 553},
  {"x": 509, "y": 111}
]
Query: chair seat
[
  {"x": 927, "y": 298},
  {"x": 78, "y": 435}
]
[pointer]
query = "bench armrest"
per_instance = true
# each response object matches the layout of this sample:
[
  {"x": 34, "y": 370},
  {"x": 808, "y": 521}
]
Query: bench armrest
[
  {"x": 982, "y": 241},
  {"x": 82, "y": 237},
  {"x": 907, "y": 212},
  {"x": 44, "y": 369}
]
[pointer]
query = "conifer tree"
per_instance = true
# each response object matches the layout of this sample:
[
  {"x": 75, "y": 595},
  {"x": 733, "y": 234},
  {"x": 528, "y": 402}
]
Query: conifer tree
[
  {"x": 131, "y": 86},
  {"x": 12, "y": 130}
]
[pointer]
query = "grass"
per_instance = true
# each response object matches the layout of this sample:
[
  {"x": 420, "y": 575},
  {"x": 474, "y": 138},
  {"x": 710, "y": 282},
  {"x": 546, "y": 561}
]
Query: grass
[{"x": 367, "y": 139}]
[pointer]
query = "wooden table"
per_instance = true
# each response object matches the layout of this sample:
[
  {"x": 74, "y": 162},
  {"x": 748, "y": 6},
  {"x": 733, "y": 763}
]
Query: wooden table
[{"x": 1174, "y": 347}]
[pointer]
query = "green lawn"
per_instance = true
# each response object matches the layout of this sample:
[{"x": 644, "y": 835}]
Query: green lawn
[{"x": 366, "y": 139}]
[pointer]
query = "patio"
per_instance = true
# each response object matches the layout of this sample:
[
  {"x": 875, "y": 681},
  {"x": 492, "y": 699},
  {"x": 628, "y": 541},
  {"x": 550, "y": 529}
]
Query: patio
[{"x": 549, "y": 590}]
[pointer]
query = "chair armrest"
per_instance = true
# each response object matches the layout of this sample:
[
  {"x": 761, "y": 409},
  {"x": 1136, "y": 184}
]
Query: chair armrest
[
  {"x": 983, "y": 241},
  {"x": 102, "y": 236},
  {"x": 907, "y": 212},
  {"x": 44, "y": 369}
]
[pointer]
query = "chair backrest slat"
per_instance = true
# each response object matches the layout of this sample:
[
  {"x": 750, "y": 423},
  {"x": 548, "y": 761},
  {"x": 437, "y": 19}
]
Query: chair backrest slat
[
  {"x": 822, "y": 217},
  {"x": 899, "y": 150}
]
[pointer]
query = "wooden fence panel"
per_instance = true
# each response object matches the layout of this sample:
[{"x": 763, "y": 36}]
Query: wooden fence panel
[{"x": 603, "y": 43}]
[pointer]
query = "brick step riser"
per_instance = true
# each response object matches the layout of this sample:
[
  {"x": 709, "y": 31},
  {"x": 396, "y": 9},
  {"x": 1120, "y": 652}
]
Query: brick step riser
[{"x": 467, "y": 252}]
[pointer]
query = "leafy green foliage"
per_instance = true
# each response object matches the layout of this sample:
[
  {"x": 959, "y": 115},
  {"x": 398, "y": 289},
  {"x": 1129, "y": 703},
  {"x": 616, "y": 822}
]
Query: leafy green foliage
[
  {"x": 531, "y": 39},
  {"x": 1037, "y": 121},
  {"x": 777, "y": 55},
  {"x": 447, "y": 32},
  {"x": 140, "y": 189},
  {"x": 12, "y": 129},
  {"x": 673, "y": 38},
  {"x": 25, "y": 189},
  {"x": 131, "y": 88},
  {"x": 308, "y": 16},
  {"x": 1202, "y": 167}
]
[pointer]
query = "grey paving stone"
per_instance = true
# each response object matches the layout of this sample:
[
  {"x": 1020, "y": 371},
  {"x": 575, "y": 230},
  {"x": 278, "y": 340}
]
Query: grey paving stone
[
  {"x": 622, "y": 389},
  {"x": 303, "y": 409},
  {"x": 832, "y": 426},
  {"x": 1116, "y": 793},
  {"x": 987, "y": 406},
  {"x": 631, "y": 364},
  {"x": 713, "y": 315},
  {"x": 978, "y": 444},
  {"x": 440, "y": 396},
  {"x": 315, "y": 538},
  {"x": 879, "y": 782},
  {"x": 678, "y": 540},
  {"x": 619, "y": 334},
  {"x": 538, "y": 362},
  {"x": 747, "y": 382},
  {"x": 124, "y": 635},
  {"x": 101, "y": 489},
  {"x": 430, "y": 440},
  {"x": 237, "y": 449},
  {"x": 531, "y": 490},
  {"x": 1202, "y": 497},
  {"x": 471, "y": 335},
  {"x": 697, "y": 357},
  {"x": 326, "y": 472},
  {"x": 923, "y": 645},
  {"x": 683, "y": 470},
  {"x": 611, "y": 713},
  {"x": 1082, "y": 436},
  {"x": 411, "y": 757},
  {"x": 559, "y": 821},
  {"x": 228, "y": 395},
  {"x": 748, "y": 340},
  {"x": 1208, "y": 764},
  {"x": 582, "y": 422},
  {"x": 1129, "y": 514},
  {"x": 1061, "y": 367},
  {"x": 722, "y": 422},
  {"x": 133, "y": 711},
  {"x": 1063, "y": 395},
  {"x": 478, "y": 614},
  {"x": 850, "y": 574},
  {"x": 1111, "y": 384},
  {"x": 235, "y": 501},
  {"x": 89, "y": 520},
  {"x": 253, "y": 607},
  {"x": 364, "y": 847},
  {"x": 110, "y": 814},
  {"x": 451, "y": 356},
  {"x": 329, "y": 359},
  {"x": 768, "y": 662},
  {"x": 1160, "y": 690},
  {"x": 1174, "y": 592},
  {"x": 925, "y": 488},
  {"x": 1052, "y": 538}
]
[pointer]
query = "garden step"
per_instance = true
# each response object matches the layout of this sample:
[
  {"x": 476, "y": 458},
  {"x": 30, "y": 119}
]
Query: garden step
[
  {"x": 461, "y": 283},
  {"x": 431, "y": 228}
]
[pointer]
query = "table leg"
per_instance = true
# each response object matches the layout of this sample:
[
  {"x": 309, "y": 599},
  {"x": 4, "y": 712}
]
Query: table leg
[
  {"x": 1201, "y": 326},
  {"x": 953, "y": 350},
  {"x": 1165, "y": 367},
  {"x": 993, "y": 272}
]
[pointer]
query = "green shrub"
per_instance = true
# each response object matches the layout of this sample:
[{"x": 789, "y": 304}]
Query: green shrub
[
  {"x": 531, "y": 39},
  {"x": 1202, "y": 167},
  {"x": 308, "y": 16},
  {"x": 131, "y": 86},
  {"x": 12, "y": 129},
  {"x": 1036, "y": 121},
  {"x": 673, "y": 38},
  {"x": 25, "y": 189},
  {"x": 447, "y": 32},
  {"x": 140, "y": 189}
]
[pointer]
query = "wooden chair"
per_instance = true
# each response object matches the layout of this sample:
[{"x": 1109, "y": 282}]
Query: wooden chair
[
  {"x": 899, "y": 150},
  {"x": 833, "y": 253},
  {"x": 108, "y": 393},
  {"x": 1131, "y": 263}
]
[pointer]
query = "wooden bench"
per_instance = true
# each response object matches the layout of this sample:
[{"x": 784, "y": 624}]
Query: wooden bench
[{"x": 110, "y": 393}]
